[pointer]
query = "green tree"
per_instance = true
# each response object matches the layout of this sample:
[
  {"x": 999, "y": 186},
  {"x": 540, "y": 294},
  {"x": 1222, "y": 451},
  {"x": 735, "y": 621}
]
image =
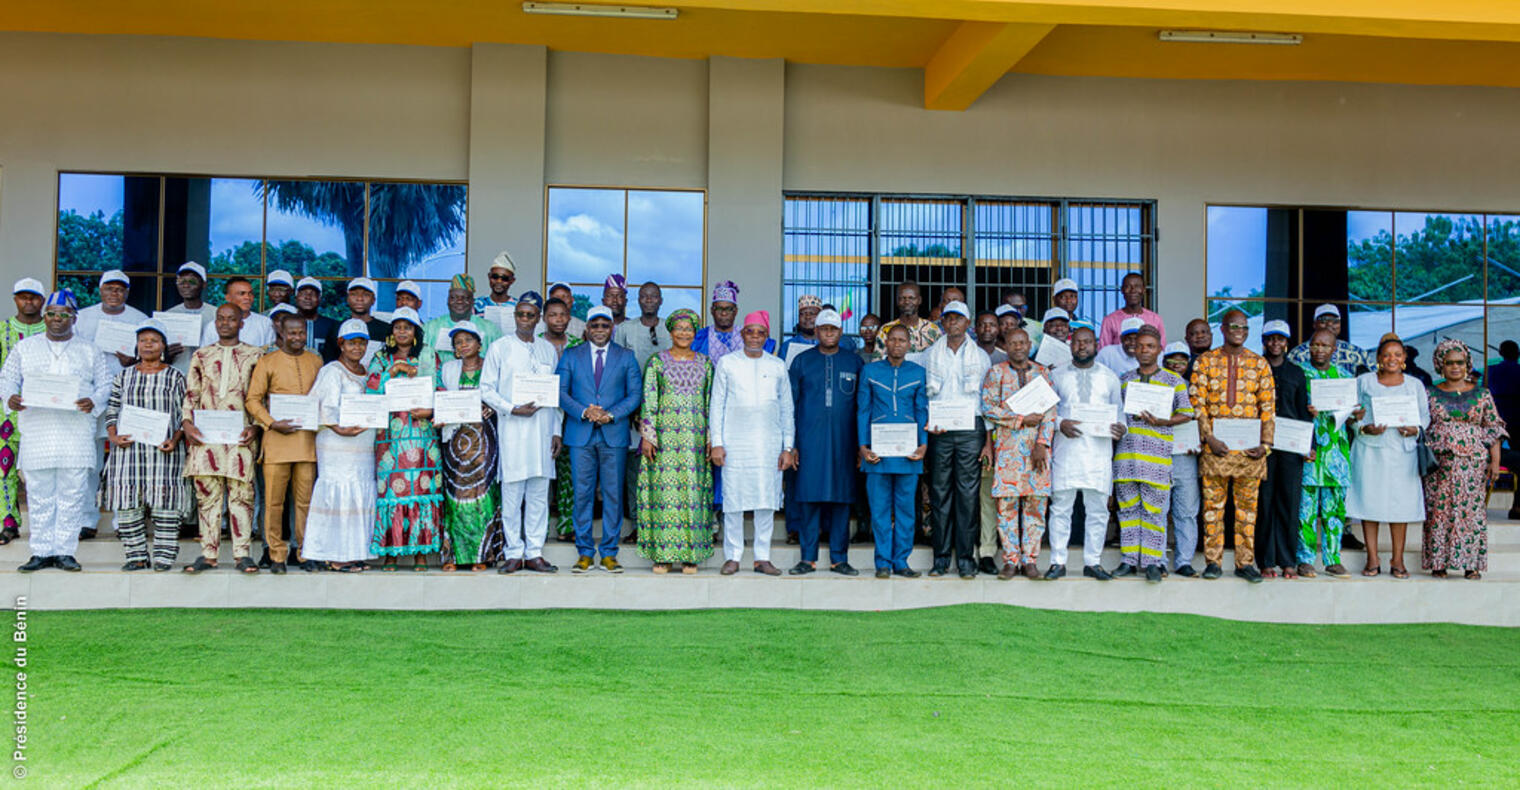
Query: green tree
[
  {"x": 1442, "y": 261},
  {"x": 407, "y": 221},
  {"x": 89, "y": 242}
]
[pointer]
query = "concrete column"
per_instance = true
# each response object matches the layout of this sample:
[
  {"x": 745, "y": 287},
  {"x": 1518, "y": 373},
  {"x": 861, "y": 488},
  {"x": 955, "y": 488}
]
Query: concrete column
[
  {"x": 508, "y": 88},
  {"x": 746, "y": 110}
]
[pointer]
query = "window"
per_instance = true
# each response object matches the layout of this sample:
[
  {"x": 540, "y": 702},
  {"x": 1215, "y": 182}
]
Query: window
[
  {"x": 147, "y": 225},
  {"x": 646, "y": 235},
  {"x": 1425, "y": 275},
  {"x": 853, "y": 250}
]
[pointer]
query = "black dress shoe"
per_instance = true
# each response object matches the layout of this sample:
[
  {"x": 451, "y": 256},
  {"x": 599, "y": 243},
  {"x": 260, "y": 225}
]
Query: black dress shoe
[
  {"x": 264, "y": 561},
  {"x": 1153, "y": 574},
  {"x": 36, "y": 563},
  {"x": 277, "y": 568},
  {"x": 1350, "y": 541},
  {"x": 843, "y": 569},
  {"x": 967, "y": 569},
  {"x": 801, "y": 569},
  {"x": 1212, "y": 571},
  {"x": 792, "y": 539},
  {"x": 1055, "y": 572},
  {"x": 87, "y": 533},
  {"x": 539, "y": 565},
  {"x": 135, "y": 565},
  {"x": 883, "y": 573},
  {"x": 939, "y": 569},
  {"x": 1249, "y": 573},
  {"x": 67, "y": 563},
  {"x": 906, "y": 573},
  {"x": 310, "y": 566},
  {"x": 510, "y": 566},
  {"x": 1097, "y": 572},
  {"x": 1124, "y": 569},
  {"x": 1185, "y": 570},
  {"x": 988, "y": 566}
]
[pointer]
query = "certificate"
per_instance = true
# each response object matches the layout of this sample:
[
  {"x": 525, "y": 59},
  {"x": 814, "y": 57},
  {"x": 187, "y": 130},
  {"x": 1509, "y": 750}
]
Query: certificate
[
  {"x": 405, "y": 394},
  {"x": 184, "y": 328},
  {"x": 363, "y": 411},
  {"x": 539, "y": 389},
  {"x": 369, "y": 352},
  {"x": 793, "y": 350},
  {"x": 1053, "y": 351},
  {"x": 1293, "y": 436},
  {"x": 1154, "y": 398},
  {"x": 219, "y": 426},
  {"x": 1332, "y": 394},
  {"x": 144, "y": 426},
  {"x": 1395, "y": 411},
  {"x": 1036, "y": 397},
  {"x": 1238, "y": 434},
  {"x": 49, "y": 391},
  {"x": 1185, "y": 438},
  {"x": 1095, "y": 420},
  {"x": 894, "y": 440},
  {"x": 952, "y": 414},
  {"x": 299, "y": 409},
  {"x": 502, "y": 316},
  {"x": 456, "y": 407},
  {"x": 116, "y": 337}
]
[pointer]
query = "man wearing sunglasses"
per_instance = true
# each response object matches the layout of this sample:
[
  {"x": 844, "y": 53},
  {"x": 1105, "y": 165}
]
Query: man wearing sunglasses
[{"x": 501, "y": 276}]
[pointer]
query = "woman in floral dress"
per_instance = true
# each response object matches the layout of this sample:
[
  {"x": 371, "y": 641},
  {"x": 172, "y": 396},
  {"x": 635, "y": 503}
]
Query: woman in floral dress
[
  {"x": 1464, "y": 434},
  {"x": 675, "y": 481},
  {"x": 472, "y": 533},
  {"x": 408, "y": 463}
]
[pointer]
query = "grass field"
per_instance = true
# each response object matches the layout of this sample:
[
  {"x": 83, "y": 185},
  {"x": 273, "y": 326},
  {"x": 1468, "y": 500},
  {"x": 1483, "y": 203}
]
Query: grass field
[{"x": 955, "y": 697}]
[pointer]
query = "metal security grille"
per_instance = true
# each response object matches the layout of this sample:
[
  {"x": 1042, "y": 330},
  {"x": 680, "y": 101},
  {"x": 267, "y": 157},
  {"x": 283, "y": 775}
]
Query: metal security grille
[{"x": 853, "y": 250}]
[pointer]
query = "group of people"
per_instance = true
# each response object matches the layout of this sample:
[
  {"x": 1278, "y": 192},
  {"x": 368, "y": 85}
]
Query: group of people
[{"x": 1003, "y": 425}]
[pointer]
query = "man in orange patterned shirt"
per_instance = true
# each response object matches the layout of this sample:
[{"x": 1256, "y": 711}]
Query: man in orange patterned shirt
[{"x": 1232, "y": 383}]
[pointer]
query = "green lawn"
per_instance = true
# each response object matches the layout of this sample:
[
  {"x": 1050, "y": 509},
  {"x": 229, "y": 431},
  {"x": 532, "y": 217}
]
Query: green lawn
[{"x": 955, "y": 697}]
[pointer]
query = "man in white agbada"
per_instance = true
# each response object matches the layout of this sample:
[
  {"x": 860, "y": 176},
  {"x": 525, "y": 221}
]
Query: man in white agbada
[
  {"x": 1083, "y": 453},
  {"x": 58, "y": 455},
  {"x": 751, "y": 433},
  {"x": 529, "y": 436}
]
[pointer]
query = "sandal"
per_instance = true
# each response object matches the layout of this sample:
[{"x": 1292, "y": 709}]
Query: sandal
[
  {"x": 347, "y": 567},
  {"x": 1398, "y": 573},
  {"x": 661, "y": 568},
  {"x": 688, "y": 568},
  {"x": 1439, "y": 573},
  {"x": 478, "y": 567},
  {"x": 135, "y": 565},
  {"x": 247, "y": 565},
  {"x": 449, "y": 567},
  {"x": 1372, "y": 570},
  {"x": 1268, "y": 573},
  {"x": 9, "y": 534},
  {"x": 200, "y": 564},
  {"x": 389, "y": 567},
  {"x": 420, "y": 567},
  {"x": 1473, "y": 575},
  {"x": 1289, "y": 573}
]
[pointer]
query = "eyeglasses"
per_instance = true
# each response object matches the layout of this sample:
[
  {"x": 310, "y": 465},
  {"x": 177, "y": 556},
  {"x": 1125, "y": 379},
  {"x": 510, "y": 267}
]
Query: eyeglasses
[
  {"x": 1237, "y": 326},
  {"x": 56, "y": 314},
  {"x": 506, "y": 277}
]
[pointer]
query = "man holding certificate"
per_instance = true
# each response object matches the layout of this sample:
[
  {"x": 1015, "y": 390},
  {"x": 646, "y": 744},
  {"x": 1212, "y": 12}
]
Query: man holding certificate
[
  {"x": 1091, "y": 420},
  {"x": 529, "y": 437},
  {"x": 289, "y": 451},
  {"x": 1143, "y": 459},
  {"x": 1277, "y": 516},
  {"x": 58, "y": 450},
  {"x": 1327, "y": 474},
  {"x": 955, "y": 369},
  {"x": 1018, "y": 451},
  {"x": 1235, "y": 398},
  {"x": 221, "y": 471},
  {"x": 891, "y": 411}
]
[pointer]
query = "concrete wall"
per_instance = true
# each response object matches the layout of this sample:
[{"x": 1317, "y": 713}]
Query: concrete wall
[{"x": 511, "y": 119}]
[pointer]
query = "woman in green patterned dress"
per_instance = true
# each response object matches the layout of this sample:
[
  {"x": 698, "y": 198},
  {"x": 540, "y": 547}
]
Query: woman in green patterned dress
[
  {"x": 556, "y": 322},
  {"x": 472, "y": 532},
  {"x": 675, "y": 481},
  {"x": 408, "y": 464}
]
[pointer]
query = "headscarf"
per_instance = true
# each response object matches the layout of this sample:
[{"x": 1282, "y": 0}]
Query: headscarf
[
  {"x": 463, "y": 281},
  {"x": 760, "y": 318},
  {"x": 683, "y": 314},
  {"x": 63, "y": 297},
  {"x": 726, "y": 291},
  {"x": 1447, "y": 346},
  {"x": 532, "y": 297}
]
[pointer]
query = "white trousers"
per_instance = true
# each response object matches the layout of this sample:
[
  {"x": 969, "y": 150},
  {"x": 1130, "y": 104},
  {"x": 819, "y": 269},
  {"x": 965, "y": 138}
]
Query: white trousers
[
  {"x": 59, "y": 505},
  {"x": 1061, "y": 504},
  {"x": 733, "y": 534},
  {"x": 525, "y": 517}
]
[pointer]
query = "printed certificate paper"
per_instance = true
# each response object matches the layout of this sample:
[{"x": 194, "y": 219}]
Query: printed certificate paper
[
  {"x": 539, "y": 389},
  {"x": 456, "y": 407},
  {"x": 1154, "y": 398},
  {"x": 1053, "y": 351},
  {"x": 184, "y": 328},
  {"x": 1096, "y": 420},
  {"x": 49, "y": 391},
  {"x": 1185, "y": 438},
  {"x": 1293, "y": 436},
  {"x": 894, "y": 440},
  {"x": 363, "y": 411},
  {"x": 1395, "y": 411},
  {"x": 1036, "y": 397},
  {"x": 1238, "y": 434},
  {"x": 115, "y": 337},
  {"x": 1333, "y": 394},
  {"x": 219, "y": 427},
  {"x": 952, "y": 415},
  {"x": 299, "y": 409},
  {"x": 407, "y": 394},
  {"x": 144, "y": 426}
]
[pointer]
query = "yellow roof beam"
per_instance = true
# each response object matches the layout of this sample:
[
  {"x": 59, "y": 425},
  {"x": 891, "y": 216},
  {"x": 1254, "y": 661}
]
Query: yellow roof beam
[{"x": 974, "y": 57}]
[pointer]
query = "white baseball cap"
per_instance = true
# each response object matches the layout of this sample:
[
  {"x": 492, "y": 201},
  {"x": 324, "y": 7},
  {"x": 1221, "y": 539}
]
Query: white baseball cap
[
  {"x": 1004, "y": 309},
  {"x": 600, "y": 311},
  {"x": 29, "y": 285},
  {"x": 115, "y": 276},
  {"x": 309, "y": 282},
  {"x": 831, "y": 317},
  {"x": 1130, "y": 326},
  {"x": 409, "y": 287},
  {"x": 1176, "y": 347},
  {"x": 1327, "y": 309},
  {"x": 1062, "y": 285},
  {"x": 1275, "y": 328},
  {"x": 406, "y": 314},
  {"x": 362, "y": 282},
  {"x": 280, "y": 277},
  {"x": 958, "y": 307},
  {"x": 353, "y": 328},
  {"x": 464, "y": 326},
  {"x": 192, "y": 266},
  {"x": 281, "y": 308},
  {"x": 1055, "y": 313}
]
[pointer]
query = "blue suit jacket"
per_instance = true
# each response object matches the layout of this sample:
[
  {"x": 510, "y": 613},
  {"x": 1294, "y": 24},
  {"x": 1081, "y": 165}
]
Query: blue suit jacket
[{"x": 620, "y": 394}]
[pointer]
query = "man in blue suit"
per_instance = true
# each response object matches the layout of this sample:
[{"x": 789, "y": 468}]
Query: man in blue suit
[{"x": 599, "y": 389}]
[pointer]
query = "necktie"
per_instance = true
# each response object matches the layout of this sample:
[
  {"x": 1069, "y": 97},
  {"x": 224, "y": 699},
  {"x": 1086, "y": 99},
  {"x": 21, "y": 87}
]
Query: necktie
[{"x": 596, "y": 369}]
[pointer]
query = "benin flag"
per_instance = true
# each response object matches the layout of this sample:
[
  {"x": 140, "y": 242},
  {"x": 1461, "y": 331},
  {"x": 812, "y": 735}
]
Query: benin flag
[{"x": 846, "y": 312}]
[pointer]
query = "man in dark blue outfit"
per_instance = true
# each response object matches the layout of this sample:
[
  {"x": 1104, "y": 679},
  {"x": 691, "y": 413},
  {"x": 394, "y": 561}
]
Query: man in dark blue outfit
[{"x": 824, "y": 382}]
